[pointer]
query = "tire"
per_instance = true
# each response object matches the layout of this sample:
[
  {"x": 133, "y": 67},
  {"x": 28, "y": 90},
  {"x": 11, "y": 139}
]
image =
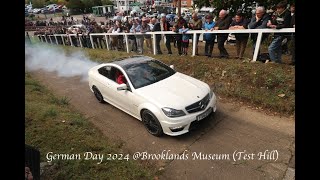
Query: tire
[
  {"x": 98, "y": 94},
  {"x": 150, "y": 121}
]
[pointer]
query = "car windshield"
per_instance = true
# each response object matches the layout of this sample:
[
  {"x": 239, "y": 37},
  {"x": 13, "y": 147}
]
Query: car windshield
[{"x": 147, "y": 72}]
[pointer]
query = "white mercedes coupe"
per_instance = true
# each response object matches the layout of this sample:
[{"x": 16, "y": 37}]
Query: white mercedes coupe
[{"x": 165, "y": 101}]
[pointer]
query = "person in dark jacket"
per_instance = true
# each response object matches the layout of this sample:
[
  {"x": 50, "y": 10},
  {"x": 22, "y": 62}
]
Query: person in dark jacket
[
  {"x": 157, "y": 27},
  {"x": 282, "y": 20},
  {"x": 223, "y": 23},
  {"x": 259, "y": 21},
  {"x": 240, "y": 22}
]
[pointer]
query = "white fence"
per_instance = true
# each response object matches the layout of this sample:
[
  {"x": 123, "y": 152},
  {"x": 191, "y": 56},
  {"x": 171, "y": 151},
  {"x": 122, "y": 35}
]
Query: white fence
[{"x": 193, "y": 32}]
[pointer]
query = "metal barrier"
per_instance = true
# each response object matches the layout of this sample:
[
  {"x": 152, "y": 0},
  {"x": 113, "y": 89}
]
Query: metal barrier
[{"x": 192, "y": 32}]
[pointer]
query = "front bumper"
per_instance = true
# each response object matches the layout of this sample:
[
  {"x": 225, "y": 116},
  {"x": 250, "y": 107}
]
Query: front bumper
[{"x": 181, "y": 125}]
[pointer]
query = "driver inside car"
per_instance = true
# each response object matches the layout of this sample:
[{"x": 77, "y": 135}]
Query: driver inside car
[{"x": 120, "y": 79}]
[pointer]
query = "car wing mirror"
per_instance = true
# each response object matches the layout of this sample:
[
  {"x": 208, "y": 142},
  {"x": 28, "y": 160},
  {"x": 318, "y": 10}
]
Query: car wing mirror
[
  {"x": 172, "y": 67},
  {"x": 122, "y": 87}
]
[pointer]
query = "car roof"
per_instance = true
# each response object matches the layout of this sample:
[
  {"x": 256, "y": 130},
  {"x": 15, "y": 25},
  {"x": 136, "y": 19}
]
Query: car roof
[{"x": 124, "y": 62}]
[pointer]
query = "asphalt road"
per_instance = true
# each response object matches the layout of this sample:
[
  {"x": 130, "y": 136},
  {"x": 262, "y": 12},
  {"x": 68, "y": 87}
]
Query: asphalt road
[{"x": 263, "y": 145}]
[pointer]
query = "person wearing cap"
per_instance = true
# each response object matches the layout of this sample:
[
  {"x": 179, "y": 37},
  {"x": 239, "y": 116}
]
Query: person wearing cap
[
  {"x": 165, "y": 26},
  {"x": 209, "y": 37},
  {"x": 223, "y": 23},
  {"x": 282, "y": 20}
]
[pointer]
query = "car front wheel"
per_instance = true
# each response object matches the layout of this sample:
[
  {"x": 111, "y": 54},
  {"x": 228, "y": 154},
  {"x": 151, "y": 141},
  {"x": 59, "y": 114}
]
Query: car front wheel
[
  {"x": 151, "y": 123},
  {"x": 98, "y": 94}
]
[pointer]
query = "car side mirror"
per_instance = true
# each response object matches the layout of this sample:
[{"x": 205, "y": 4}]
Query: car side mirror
[
  {"x": 172, "y": 67},
  {"x": 122, "y": 87}
]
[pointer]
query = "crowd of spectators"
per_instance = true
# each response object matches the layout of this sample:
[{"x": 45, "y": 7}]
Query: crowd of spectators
[
  {"x": 65, "y": 21},
  {"x": 281, "y": 17}
]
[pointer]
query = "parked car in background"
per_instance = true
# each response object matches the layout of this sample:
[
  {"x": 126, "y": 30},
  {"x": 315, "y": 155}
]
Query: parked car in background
[
  {"x": 231, "y": 38},
  {"x": 52, "y": 6},
  {"x": 30, "y": 10},
  {"x": 36, "y": 11},
  {"x": 58, "y": 10},
  {"x": 45, "y": 10},
  {"x": 164, "y": 100}
]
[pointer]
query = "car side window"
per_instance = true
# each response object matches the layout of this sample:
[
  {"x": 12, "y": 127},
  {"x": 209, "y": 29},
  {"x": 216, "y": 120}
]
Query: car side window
[
  {"x": 105, "y": 71},
  {"x": 117, "y": 76},
  {"x": 113, "y": 74}
]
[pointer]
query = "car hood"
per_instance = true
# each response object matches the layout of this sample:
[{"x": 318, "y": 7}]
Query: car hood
[{"x": 176, "y": 91}]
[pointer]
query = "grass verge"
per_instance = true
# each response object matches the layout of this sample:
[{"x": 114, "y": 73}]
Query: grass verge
[{"x": 51, "y": 125}]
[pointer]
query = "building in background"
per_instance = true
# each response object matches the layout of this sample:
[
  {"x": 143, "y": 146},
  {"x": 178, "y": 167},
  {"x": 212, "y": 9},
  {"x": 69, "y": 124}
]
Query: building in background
[
  {"x": 102, "y": 10},
  {"x": 184, "y": 3},
  {"x": 122, "y": 5}
]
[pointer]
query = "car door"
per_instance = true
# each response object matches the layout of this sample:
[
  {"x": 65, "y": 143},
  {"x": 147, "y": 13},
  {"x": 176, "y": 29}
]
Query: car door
[
  {"x": 121, "y": 98},
  {"x": 103, "y": 82},
  {"x": 133, "y": 103},
  {"x": 132, "y": 99}
]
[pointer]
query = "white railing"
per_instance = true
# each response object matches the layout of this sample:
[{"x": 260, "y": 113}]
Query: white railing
[{"x": 193, "y": 32}]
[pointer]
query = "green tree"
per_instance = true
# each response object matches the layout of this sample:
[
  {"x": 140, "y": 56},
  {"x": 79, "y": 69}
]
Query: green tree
[
  {"x": 75, "y": 6},
  {"x": 61, "y": 2},
  {"x": 52, "y": 1},
  {"x": 38, "y": 3},
  {"x": 47, "y": 2},
  {"x": 107, "y": 2},
  {"x": 97, "y": 2},
  {"x": 88, "y": 5},
  {"x": 201, "y": 3}
]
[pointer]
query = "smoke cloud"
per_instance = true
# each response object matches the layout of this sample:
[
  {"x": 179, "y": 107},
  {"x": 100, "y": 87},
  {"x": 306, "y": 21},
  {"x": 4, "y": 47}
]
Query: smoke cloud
[{"x": 54, "y": 59}]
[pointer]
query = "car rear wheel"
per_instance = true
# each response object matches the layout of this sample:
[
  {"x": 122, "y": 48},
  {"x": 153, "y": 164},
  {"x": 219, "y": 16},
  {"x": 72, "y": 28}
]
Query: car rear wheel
[
  {"x": 151, "y": 123},
  {"x": 98, "y": 94}
]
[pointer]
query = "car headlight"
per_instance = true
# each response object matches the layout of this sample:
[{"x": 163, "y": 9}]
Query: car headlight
[{"x": 173, "y": 112}]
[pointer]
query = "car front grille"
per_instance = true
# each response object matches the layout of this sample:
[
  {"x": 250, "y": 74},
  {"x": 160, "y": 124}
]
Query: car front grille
[{"x": 199, "y": 105}]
